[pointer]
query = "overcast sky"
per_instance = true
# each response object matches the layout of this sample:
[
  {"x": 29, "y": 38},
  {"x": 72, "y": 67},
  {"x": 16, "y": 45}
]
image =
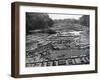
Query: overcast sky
[{"x": 64, "y": 16}]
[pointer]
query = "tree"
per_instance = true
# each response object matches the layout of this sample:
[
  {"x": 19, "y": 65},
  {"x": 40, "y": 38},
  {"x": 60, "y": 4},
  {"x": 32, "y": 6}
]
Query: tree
[
  {"x": 50, "y": 22},
  {"x": 37, "y": 21},
  {"x": 84, "y": 20}
]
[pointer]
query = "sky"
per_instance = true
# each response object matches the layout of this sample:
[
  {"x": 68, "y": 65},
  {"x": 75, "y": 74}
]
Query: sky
[{"x": 64, "y": 16}]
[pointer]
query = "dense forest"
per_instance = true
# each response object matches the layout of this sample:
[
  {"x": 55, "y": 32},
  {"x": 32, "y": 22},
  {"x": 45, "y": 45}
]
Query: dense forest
[
  {"x": 41, "y": 22},
  {"x": 36, "y": 21}
]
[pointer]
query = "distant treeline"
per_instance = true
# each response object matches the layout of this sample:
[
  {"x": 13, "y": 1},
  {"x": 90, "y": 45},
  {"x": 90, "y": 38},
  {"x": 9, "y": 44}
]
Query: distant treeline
[{"x": 84, "y": 20}]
